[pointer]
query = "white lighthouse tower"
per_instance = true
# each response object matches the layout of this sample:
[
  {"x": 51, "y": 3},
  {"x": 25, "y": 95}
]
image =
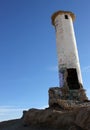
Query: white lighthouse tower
[
  {"x": 68, "y": 60},
  {"x": 70, "y": 90}
]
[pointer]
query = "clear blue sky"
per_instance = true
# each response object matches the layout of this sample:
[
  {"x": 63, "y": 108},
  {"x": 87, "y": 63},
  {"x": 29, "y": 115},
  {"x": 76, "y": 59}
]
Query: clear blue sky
[{"x": 28, "y": 58}]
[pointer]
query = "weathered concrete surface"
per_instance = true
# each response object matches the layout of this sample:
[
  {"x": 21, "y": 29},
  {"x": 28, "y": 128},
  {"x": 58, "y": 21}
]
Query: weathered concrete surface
[{"x": 67, "y": 99}]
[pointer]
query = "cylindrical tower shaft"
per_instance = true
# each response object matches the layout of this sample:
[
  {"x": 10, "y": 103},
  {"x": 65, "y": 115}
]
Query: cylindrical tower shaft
[{"x": 68, "y": 60}]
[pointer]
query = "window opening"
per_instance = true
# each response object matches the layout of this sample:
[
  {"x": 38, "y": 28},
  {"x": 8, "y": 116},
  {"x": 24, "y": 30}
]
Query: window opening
[{"x": 66, "y": 16}]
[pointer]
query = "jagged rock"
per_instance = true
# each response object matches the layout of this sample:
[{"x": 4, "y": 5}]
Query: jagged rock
[
  {"x": 83, "y": 118},
  {"x": 50, "y": 119},
  {"x": 78, "y": 119}
]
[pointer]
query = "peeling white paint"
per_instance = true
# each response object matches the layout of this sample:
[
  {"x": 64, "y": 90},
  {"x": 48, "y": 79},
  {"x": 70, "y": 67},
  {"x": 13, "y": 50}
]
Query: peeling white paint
[{"x": 66, "y": 44}]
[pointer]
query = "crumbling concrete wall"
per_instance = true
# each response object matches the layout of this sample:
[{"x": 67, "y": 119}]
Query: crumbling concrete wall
[{"x": 66, "y": 98}]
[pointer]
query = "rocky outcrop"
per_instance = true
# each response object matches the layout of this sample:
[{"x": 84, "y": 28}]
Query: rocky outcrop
[
  {"x": 50, "y": 119},
  {"x": 83, "y": 118},
  {"x": 77, "y": 119}
]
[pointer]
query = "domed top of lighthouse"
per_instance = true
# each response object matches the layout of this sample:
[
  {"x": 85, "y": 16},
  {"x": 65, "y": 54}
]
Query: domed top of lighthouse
[{"x": 60, "y": 13}]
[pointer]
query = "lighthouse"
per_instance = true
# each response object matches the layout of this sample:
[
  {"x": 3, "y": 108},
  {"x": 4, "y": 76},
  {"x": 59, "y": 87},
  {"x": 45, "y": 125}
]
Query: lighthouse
[
  {"x": 68, "y": 59},
  {"x": 70, "y": 90}
]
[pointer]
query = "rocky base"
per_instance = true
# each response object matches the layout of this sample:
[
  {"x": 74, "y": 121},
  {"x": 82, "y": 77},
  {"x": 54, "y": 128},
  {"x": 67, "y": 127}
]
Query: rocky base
[
  {"x": 68, "y": 99},
  {"x": 52, "y": 118},
  {"x": 76, "y": 119}
]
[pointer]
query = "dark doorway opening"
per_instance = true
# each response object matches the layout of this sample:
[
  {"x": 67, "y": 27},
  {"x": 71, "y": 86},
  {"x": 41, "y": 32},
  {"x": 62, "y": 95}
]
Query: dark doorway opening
[{"x": 72, "y": 79}]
